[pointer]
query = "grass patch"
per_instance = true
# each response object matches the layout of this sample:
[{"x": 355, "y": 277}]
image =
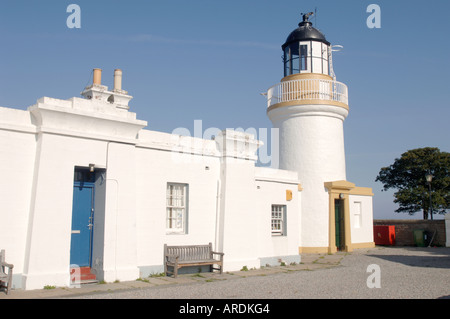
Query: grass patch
[
  {"x": 48, "y": 287},
  {"x": 143, "y": 279},
  {"x": 155, "y": 275}
]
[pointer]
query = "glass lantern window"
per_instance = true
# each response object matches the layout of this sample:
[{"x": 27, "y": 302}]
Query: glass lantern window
[
  {"x": 295, "y": 58},
  {"x": 287, "y": 62},
  {"x": 303, "y": 57}
]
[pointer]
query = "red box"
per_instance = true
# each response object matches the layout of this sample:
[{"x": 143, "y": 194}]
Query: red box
[{"x": 384, "y": 235}]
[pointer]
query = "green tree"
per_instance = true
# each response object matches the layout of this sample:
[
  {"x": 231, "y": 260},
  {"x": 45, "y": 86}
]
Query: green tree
[{"x": 408, "y": 176}]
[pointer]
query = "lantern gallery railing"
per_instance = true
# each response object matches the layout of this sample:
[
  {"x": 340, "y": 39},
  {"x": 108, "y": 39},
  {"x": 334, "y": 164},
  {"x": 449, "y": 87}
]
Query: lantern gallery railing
[{"x": 307, "y": 89}]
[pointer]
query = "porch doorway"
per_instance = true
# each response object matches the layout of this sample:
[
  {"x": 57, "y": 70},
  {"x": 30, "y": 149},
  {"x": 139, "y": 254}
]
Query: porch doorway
[
  {"x": 339, "y": 219},
  {"x": 82, "y": 218},
  {"x": 88, "y": 216}
]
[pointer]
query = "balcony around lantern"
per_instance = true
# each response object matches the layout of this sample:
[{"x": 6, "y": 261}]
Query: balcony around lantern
[{"x": 308, "y": 91}]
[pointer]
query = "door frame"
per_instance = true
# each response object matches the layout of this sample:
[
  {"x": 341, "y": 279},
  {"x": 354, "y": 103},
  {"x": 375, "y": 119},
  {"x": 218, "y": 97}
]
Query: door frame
[
  {"x": 88, "y": 183},
  {"x": 339, "y": 190}
]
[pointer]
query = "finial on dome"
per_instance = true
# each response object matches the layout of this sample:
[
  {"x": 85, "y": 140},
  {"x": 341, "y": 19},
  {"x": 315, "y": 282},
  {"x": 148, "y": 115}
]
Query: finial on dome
[{"x": 306, "y": 16}]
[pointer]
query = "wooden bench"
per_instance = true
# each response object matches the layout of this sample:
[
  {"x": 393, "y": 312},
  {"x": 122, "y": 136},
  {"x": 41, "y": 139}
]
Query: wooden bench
[
  {"x": 5, "y": 277},
  {"x": 191, "y": 255}
]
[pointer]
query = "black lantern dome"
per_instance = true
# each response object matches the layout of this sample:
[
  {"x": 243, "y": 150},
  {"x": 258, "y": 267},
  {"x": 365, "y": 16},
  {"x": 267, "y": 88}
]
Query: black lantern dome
[
  {"x": 305, "y": 32},
  {"x": 306, "y": 50}
]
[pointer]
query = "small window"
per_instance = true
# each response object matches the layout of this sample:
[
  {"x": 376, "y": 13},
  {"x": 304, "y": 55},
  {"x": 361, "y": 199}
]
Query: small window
[
  {"x": 278, "y": 220},
  {"x": 176, "y": 212}
]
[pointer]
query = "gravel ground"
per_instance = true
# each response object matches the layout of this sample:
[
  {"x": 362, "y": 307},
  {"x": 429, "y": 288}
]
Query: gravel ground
[{"x": 404, "y": 273}]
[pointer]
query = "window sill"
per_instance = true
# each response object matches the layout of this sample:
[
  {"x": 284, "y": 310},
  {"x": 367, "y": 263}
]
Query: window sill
[{"x": 171, "y": 232}]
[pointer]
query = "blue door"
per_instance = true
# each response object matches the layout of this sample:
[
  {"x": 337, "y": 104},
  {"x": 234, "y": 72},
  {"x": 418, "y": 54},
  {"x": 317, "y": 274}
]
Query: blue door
[{"x": 82, "y": 224}]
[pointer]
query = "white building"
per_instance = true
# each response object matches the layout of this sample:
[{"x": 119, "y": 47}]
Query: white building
[
  {"x": 85, "y": 184},
  {"x": 309, "y": 107}
]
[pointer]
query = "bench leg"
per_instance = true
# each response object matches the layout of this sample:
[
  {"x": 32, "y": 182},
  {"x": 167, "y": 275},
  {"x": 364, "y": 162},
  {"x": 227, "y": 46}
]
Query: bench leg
[
  {"x": 9, "y": 281},
  {"x": 221, "y": 264}
]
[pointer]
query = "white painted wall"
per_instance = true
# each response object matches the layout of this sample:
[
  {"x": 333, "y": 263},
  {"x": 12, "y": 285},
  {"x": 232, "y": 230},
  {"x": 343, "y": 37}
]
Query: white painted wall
[
  {"x": 312, "y": 144},
  {"x": 229, "y": 201},
  {"x": 120, "y": 241},
  {"x": 271, "y": 187},
  {"x": 238, "y": 200},
  {"x": 49, "y": 231},
  {"x": 157, "y": 168},
  {"x": 18, "y": 148},
  {"x": 42, "y": 147},
  {"x": 361, "y": 218},
  {"x": 72, "y": 134}
]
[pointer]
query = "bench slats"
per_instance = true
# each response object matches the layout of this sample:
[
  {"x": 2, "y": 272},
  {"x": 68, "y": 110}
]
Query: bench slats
[{"x": 190, "y": 255}]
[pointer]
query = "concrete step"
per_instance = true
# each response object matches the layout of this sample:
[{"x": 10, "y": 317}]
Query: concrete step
[{"x": 85, "y": 275}]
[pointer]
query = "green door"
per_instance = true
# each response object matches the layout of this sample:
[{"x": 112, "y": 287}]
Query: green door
[{"x": 339, "y": 224}]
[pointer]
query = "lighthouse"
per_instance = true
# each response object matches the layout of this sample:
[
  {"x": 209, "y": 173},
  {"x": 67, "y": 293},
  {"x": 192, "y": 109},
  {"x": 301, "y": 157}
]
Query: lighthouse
[{"x": 308, "y": 106}]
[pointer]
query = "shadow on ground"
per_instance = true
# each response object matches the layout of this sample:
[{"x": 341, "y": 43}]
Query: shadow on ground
[{"x": 420, "y": 257}]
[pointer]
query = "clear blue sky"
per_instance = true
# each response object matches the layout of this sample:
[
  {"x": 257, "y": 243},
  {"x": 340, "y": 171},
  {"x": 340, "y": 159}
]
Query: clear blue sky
[{"x": 210, "y": 60}]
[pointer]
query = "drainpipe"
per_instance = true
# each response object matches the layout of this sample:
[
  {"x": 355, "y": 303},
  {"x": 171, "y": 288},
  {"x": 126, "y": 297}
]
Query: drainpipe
[{"x": 218, "y": 243}]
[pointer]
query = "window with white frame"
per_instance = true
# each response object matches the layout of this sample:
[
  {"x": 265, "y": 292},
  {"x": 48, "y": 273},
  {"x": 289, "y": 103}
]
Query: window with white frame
[
  {"x": 176, "y": 212},
  {"x": 278, "y": 220}
]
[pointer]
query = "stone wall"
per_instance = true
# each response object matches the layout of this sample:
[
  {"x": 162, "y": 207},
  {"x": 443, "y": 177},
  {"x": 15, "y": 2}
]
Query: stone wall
[{"x": 404, "y": 230}]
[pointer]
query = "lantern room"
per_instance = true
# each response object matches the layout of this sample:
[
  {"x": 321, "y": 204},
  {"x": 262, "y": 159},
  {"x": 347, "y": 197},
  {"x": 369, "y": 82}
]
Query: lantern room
[{"x": 306, "y": 50}]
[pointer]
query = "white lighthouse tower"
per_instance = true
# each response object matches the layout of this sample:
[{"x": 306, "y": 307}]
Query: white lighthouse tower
[{"x": 309, "y": 107}]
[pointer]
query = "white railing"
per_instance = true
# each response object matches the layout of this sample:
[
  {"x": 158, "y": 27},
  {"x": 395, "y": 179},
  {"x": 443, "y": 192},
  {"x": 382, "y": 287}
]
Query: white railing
[{"x": 307, "y": 89}]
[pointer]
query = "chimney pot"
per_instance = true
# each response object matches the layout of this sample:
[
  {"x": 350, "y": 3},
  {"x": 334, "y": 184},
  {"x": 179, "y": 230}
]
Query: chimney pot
[
  {"x": 117, "y": 80},
  {"x": 98, "y": 76}
]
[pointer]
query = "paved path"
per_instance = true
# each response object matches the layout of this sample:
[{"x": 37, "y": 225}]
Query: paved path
[{"x": 405, "y": 273}]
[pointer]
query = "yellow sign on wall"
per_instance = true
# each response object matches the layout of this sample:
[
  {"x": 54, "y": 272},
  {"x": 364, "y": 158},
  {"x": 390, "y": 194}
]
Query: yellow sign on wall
[{"x": 288, "y": 195}]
